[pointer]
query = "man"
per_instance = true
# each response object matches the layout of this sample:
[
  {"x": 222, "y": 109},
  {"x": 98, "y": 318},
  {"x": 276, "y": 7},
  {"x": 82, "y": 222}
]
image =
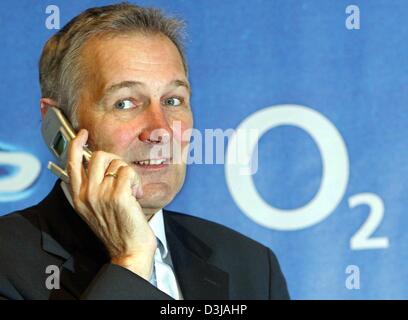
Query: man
[{"x": 118, "y": 72}]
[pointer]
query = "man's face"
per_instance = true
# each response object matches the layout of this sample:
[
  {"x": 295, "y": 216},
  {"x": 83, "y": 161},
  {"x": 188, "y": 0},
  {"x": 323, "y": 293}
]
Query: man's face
[{"x": 136, "y": 89}]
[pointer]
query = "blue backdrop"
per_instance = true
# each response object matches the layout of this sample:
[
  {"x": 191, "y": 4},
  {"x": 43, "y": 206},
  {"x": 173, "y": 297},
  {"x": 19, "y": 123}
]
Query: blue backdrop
[{"x": 328, "y": 89}]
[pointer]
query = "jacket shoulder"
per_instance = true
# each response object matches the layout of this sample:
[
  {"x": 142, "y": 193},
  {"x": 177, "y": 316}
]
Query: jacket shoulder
[
  {"x": 19, "y": 234},
  {"x": 20, "y": 240},
  {"x": 217, "y": 235},
  {"x": 19, "y": 222},
  {"x": 253, "y": 268}
]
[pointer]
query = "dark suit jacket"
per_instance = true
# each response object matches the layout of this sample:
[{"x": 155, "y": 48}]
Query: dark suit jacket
[{"x": 210, "y": 261}]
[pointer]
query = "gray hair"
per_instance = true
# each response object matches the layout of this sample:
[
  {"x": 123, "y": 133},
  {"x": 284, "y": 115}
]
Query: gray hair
[{"x": 59, "y": 66}]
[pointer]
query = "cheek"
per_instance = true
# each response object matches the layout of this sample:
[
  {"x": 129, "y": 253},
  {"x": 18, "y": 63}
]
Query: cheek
[
  {"x": 106, "y": 134},
  {"x": 116, "y": 139},
  {"x": 181, "y": 138},
  {"x": 182, "y": 130}
]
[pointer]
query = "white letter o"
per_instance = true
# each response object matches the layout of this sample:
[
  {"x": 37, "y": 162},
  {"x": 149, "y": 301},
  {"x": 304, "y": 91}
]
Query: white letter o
[{"x": 334, "y": 159}]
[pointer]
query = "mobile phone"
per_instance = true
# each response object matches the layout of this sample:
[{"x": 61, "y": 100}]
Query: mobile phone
[{"x": 58, "y": 133}]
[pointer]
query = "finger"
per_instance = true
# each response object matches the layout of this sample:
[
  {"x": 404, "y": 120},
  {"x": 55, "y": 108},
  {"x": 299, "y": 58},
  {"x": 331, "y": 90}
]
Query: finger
[
  {"x": 127, "y": 181},
  {"x": 107, "y": 183},
  {"x": 74, "y": 163},
  {"x": 97, "y": 166},
  {"x": 105, "y": 191},
  {"x": 114, "y": 166}
]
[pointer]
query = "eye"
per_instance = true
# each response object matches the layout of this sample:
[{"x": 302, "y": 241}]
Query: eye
[
  {"x": 173, "y": 101},
  {"x": 124, "y": 104}
]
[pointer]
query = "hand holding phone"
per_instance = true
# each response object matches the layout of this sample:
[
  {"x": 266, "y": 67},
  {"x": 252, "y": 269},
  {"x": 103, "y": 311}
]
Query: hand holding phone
[{"x": 103, "y": 194}]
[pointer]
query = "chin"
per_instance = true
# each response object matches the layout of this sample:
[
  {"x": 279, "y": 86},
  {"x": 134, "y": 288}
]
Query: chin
[{"x": 156, "y": 195}]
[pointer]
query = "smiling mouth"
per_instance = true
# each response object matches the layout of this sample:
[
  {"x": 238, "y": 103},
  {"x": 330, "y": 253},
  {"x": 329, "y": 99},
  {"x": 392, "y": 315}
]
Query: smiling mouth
[{"x": 152, "y": 163}]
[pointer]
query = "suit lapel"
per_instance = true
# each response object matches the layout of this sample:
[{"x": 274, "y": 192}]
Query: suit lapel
[
  {"x": 67, "y": 237},
  {"x": 77, "y": 273},
  {"x": 198, "y": 279}
]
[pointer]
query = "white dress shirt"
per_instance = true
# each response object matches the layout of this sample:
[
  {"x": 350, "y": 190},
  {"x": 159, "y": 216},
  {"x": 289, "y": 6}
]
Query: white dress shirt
[{"x": 163, "y": 276}]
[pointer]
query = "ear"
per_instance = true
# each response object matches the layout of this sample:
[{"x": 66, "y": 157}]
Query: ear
[{"x": 45, "y": 103}]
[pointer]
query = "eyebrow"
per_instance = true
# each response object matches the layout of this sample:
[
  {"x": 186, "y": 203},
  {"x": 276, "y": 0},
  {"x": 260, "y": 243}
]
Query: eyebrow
[
  {"x": 123, "y": 84},
  {"x": 132, "y": 84}
]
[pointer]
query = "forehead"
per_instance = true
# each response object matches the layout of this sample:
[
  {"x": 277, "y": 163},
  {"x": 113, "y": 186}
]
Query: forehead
[{"x": 133, "y": 56}]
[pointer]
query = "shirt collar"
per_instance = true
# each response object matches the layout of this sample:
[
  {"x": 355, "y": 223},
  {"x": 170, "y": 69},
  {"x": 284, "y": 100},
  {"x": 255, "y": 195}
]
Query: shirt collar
[
  {"x": 157, "y": 225},
  {"x": 156, "y": 222}
]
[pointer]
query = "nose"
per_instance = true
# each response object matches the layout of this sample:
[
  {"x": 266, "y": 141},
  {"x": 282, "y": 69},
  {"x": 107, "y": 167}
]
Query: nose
[{"x": 156, "y": 129}]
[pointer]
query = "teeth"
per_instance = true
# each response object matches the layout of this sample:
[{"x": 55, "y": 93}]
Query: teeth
[
  {"x": 151, "y": 162},
  {"x": 157, "y": 161}
]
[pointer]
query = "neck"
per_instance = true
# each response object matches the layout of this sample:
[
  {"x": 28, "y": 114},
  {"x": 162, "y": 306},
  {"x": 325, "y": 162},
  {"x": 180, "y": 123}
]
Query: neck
[{"x": 149, "y": 212}]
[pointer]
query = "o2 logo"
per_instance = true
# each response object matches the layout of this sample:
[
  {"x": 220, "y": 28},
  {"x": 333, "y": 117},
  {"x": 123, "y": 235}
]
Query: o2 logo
[
  {"x": 332, "y": 188},
  {"x": 18, "y": 171}
]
